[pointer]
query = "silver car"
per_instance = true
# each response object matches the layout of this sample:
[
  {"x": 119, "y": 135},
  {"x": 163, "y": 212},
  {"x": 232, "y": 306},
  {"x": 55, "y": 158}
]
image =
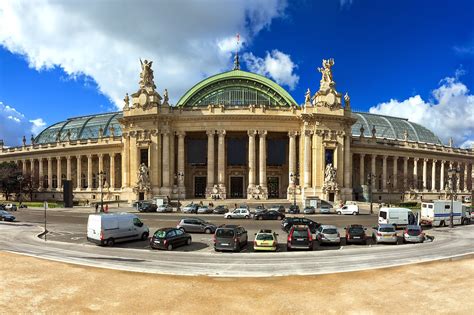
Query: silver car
[
  {"x": 190, "y": 208},
  {"x": 309, "y": 210},
  {"x": 191, "y": 225},
  {"x": 413, "y": 234},
  {"x": 164, "y": 208},
  {"x": 385, "y": 233},
  {"x": 204, "y": 210},
  {"x": 328, "y": 234}
]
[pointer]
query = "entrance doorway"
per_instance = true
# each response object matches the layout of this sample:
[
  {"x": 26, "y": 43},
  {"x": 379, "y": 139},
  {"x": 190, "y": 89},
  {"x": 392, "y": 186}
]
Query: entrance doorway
[
  {"x": 273, "y": 184},
  {"x": 237, "y": 187},
  {"x": 141, "y": 196},
  {"x": 200, "y": 186}
]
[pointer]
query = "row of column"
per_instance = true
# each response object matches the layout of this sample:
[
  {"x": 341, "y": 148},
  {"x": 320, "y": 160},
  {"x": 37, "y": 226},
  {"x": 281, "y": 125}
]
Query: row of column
[
  {"x": 59, "y": 175},
  {"x": 424, "y": 177}
]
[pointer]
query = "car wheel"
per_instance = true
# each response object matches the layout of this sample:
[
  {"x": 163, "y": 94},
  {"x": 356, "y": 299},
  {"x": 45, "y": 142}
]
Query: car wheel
[
  {"x": 278, "y": 218},
  {"x": 188, "y": 242},
  {"x": 207, "y": 231},
  {"x": 354, "y": 213},
  {"x": 246, "y": 216},
  {"x": 144, "y": 236},
  {"x": 260, "y": 218},
  {"x": 110, "y": 242},
  {"x": 339, "y": 213},
  {"x": 170, "y": 247}
]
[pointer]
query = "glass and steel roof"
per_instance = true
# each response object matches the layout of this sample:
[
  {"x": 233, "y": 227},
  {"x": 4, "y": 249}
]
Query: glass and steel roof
[
  {"x": 392, "y": 128},
  {"x": 81, "y": 128}
]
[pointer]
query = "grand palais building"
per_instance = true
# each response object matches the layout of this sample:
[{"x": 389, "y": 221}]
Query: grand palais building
[{"x": 239, "y": 135}]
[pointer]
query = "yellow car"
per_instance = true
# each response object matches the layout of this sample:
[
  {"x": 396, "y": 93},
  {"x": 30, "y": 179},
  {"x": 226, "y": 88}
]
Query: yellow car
[{"x": 265, "y": 240}]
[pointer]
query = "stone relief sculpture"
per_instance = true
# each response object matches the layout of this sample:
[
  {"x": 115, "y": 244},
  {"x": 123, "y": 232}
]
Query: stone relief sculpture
[
  {"x": 330, "y": 175},
  {"x": 143, "y": 183}
]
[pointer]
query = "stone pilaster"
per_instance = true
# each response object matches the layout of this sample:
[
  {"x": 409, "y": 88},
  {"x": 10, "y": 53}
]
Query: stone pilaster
[
  {"x": 50, "y": 173},
  {"x": 112, "y": 170},
  {"x": 441, "y": 176},
  {"x": 433, "y": 175},
  {"x": 252, "y": 165},
  {"x": 89, "y": 172},
  {"x": 362, "y": 169},
  {"x": 78, "y": 172},
  {"x": 181, "y": 162},
  {"x": 263, "y": 159},
  {"x": 58, "y": 172},
  {"x": 292, "y": 155},
  {"x": 40, "y": 174},
  {"x": 347, "y": 161},
  {"x": 307, "y": 158},
  {"x": 425, "y": 166},
  {"x": 210, "y": 160},
  {"x": 415, "y": 173},
  {"x": 68, "y": 167},
  {"x": 384, "y": 172},
  {"x": 221, "y": 163},
  {"x": 166, "y": 162}
]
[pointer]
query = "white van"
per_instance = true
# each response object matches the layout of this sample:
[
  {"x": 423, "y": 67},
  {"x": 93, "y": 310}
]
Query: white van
[
  {"x": 396, "y": 216},
  {"x": 106, "y": 229},
  {"x": 438, "y": 212},
  {"x": 348, "y": 209}
]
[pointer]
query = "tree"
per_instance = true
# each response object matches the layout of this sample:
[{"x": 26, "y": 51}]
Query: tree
[
  {"x": 29, "y": 187},
  {"x": 9, "y": 172}
]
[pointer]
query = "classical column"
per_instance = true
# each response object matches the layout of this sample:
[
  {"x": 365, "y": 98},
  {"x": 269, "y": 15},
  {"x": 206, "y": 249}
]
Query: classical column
[
  {"x": 126, "y": 161},
  {"x": 32, "y": 172},
  {"x": 307, "y": 158},
  {"x": 89, "y": 171},
  {"x": 425, "y": 163},
  {"x": 347, "y": 162},
  {"x": 292, "y": 155},
  {"x": 210, "y": 158},
  {"x": 362, "y": 169},
  {"x": 263, "y": 158},
  {"x": 181, "y": 163},
  {"x": 252, "y": 165},
  {"x": 415, "y": 173},
  {"x": 433, "y": 175},
  {"x": 395, "y": 173},
  {"x": 50, "y": 173},
  {"x": 405, "y": 173},
  {"x": 112, "y": 170},
  {"x": 374, "y": 171},
  {"x": 441, "y": 176},
  {"x": 40, "y": 173},
  {"x": 384, "y": 172},
  {"x": 465, "y": 176},
  {"x": 172, "y": 159},
  {"x": 221, "y": 158},
  {"x": 101, "y": 162},
  {"x": 58, "y": 172},
  {"x": 23, "y": 167},
  {"x": 68, "y": 167},
  {"x": 166, "y": 159},
  {"x": 78, "y": 171}
]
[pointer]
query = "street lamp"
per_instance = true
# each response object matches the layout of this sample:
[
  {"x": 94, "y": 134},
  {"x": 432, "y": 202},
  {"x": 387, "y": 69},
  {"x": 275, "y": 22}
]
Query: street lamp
[
  {"x": 370, "y": 178},
  {"x": 179, "y": 177},
  {"x": 389, "y": 183},
  {"x": 452, "y": 173},
  {"x": 102, "y": 175},
  {"x": 294, "y": 178},
  {"x": 20, "y": 178}
]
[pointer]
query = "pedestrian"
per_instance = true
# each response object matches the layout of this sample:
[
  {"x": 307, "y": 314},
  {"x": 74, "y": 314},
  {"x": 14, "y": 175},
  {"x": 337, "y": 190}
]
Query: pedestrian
[
  {"x": 106, "y": 208},
  {"x": 96, "y": 207},
  {"x": 235, "y": 206}
]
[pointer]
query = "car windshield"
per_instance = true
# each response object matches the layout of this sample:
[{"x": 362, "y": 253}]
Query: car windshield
[
  {"x": 356, "y": 230},
  {"x": 227, "y": 233},
  {"x": 264, "y": 237},
  {"x": 330, "y": 231},
  {"x": 160, "y": 233},
  {"x": 387, "y": 229},
  {"x": 300, "y": 233}
]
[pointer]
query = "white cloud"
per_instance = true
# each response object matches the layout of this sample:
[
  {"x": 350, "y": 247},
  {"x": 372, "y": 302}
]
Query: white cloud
[
  {"x": 449, "y": 114},
  {"x": 345, "y": 3},
  {"x": 276, "y": 64},
  {"x": 14, "y": 125},
  {"x": 104, "y": 40}
]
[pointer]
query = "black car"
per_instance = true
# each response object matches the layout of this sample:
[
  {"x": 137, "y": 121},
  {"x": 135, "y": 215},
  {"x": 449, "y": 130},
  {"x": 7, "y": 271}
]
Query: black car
[
  {"x": 147, "y": 207},
  {"x": 287, "y": 223},
  {"x": 6, "y": 216},
  {"x": 220, "y": 210},
  {"x": 2, "y": 206},
  {"x": 169, "y": 238},
  {"x": 230, "y": 237},
  {"x": 299, "y": 237},
  {"x": 355, "y": 233},
  {"x": 295, "y": 209},
  {"x": 269, "y": 215}
]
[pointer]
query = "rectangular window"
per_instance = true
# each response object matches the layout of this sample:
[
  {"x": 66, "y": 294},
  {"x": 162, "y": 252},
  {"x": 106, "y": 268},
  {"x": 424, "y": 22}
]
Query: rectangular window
[
  {"x": 329, "y": 157},
  {"x": 144, "y": 156}
]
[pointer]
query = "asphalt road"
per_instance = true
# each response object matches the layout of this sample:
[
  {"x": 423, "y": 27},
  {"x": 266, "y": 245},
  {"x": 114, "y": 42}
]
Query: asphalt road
[{"x": 66, "y": 242}]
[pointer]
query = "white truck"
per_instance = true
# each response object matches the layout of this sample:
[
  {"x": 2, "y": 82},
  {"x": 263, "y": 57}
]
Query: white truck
[
  {"x": 107, "y": 229},
  {"x": 438, "y": 213},
  {"x": 396, "y": 216}
]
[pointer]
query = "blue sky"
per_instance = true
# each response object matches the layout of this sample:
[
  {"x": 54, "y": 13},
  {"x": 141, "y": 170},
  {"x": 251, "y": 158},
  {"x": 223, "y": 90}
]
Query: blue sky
[{"x": 404, "y": 58}]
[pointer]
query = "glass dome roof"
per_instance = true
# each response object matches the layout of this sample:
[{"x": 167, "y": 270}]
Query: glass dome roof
[
  {"x": 81, "y": 128},
  {"x": 392, "y": 128}
]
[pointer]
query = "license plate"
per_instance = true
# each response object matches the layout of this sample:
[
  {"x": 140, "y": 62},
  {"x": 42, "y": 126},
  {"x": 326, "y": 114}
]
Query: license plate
[
  {"x": 300, "y": 239},
  {"x": 225, "y": 244},
  {"x": 157, "y": 242},
  {"x": 356, "y": 237},
  {"x": 387, "y": 236}
]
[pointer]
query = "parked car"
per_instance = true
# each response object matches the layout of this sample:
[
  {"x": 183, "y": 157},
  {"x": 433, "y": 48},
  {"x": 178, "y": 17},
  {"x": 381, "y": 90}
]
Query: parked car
[
  {"x": 325, "y": 207},
  {"x": 230, "y": 237},
  {"x": 404, "y": 216},
  {"x": 328, "y": 234},
  {"x": 309, "y": 210},
  {"x": 169, "y": 238},
  {"x": 196, "y": 225},
  {"x": 265, "y": 240},
  {"x": 288, "y": 222},
  {"x": 164, "y": 208},
  {"x": 204, "y": 210},
  {"x": 2, "y": 206},
  {"x": 106, "y": 229},
  {"x": 259, "y": 209},
  {"x": 269, "y": 215},
  {"x": 190, "y": 208},
  {"x": 295, "y": 209},
  {"x": 239, "y": 213},
  {"x": 6, "y": 216},
  {"x": 348, "y": 209},
  {"x": 299, "y": 237},
  {"x": 413, "y": 234},
  {"x": 147, "y": 207},
  {"x": 355, "y": 233},
  {"x": 22, "y": 206},
  {"x": 10, "y": 207},
  {"x": 385, "y": 233},
  {"x": 278, "y": 208},
  {"x": 220, "y": 210}
]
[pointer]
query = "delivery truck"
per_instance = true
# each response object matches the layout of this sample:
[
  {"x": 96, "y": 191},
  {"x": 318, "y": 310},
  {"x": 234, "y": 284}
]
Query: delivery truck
[
  {"x": 109, "y": 228},
  {"x": 438, "y": 213}
]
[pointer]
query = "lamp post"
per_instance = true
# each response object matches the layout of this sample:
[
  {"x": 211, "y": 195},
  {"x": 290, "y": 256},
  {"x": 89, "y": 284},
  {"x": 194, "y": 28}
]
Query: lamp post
[
  {"x": 179, "y": 177},
  {"x": 102, "y": 175},
  {"x": 389, "y": 183},
  {"x": 294, "y": 178},
  {"x": 370, "y": 178},
  {"x": 20, "y": 178},
  {"x": 452, "y": 173}
]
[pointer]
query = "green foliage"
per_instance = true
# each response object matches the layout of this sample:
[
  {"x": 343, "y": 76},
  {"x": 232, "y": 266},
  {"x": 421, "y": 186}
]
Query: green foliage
[{"x": 9, "y": 172}]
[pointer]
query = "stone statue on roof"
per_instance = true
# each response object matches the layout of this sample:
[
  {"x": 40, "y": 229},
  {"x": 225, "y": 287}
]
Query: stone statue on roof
[
  {"x": 307, "y": 97},
  {"x": 166, "y": 97},
  {"x": 326, "y": 70},
  {"x": 146, "y": 76}
]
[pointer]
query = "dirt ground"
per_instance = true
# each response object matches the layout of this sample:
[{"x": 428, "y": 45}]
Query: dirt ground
[{"x": 31, "y": 285}]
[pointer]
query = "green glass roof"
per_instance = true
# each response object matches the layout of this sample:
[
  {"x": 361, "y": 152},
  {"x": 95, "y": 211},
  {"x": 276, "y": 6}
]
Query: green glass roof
[
  {"x": 81, "y": 128},
  {"x": 238, "y": 88},
  {"x": 392, "y": 128}
]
